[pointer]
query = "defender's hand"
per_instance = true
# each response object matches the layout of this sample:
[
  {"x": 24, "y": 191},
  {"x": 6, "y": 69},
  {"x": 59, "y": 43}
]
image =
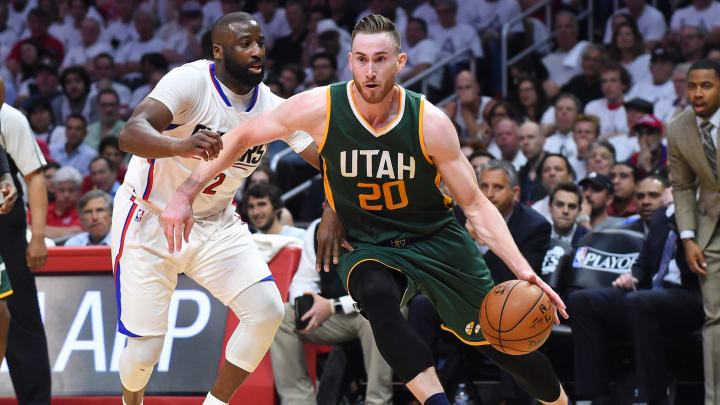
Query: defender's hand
[
  {"x": 531, "y": 277},
  {"x": 320, "y": 311},
  {"x": 177, "y": 220},
  {"x": 331, "y": 236},
  {"x": 694, "y": 257},
  {"x": 204, "y": 144}
]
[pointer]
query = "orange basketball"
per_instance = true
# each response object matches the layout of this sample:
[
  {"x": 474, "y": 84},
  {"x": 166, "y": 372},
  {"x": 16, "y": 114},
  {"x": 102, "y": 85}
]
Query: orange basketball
[{"x": 516, "y": 317}]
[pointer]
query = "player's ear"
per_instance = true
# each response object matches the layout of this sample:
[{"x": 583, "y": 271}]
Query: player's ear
[
  {"x": 350, "y": 61},
  {"x": 401, "y": 61},
  {"x": 218, "y": 51}
]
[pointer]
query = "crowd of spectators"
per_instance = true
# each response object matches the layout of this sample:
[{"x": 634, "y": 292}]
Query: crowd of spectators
[{"x": 577, "y": 146}]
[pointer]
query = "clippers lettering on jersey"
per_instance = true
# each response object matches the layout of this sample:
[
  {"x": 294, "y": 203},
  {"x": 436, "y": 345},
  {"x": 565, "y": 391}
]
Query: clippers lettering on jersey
[
  {"x": 250, "y": 159},
  {"x": 390, "y": 195}
]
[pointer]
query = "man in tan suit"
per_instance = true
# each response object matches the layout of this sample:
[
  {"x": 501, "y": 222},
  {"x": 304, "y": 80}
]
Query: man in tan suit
[{"x": 694, "y": 159}]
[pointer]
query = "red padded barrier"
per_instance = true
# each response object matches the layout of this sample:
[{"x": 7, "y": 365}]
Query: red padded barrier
[{"x": 258, "y": 389}]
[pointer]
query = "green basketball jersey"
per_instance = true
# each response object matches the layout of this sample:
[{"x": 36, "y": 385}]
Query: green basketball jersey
[{"x": 381, "y": 183}]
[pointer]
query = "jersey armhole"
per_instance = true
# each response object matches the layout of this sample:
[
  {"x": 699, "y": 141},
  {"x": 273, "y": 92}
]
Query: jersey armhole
[
  {"x": 328, "y": 106},
  {"x": 421, "y": 135}
]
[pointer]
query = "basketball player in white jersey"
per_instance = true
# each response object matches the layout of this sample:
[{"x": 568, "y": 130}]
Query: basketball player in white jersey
[{"x": 174, "y": 128}]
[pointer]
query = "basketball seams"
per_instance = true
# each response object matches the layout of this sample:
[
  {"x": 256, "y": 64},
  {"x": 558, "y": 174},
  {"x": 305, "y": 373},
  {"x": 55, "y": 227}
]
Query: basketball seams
[
  {"x": 542, "y": 293},
  {"x": 502, "y": 310},
  {"x": 521, "y": 339}
]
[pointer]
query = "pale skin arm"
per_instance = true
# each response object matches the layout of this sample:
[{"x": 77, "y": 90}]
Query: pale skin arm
[
  {"x": 443, "y": 147},
  {"x": 305, "y": 111}
]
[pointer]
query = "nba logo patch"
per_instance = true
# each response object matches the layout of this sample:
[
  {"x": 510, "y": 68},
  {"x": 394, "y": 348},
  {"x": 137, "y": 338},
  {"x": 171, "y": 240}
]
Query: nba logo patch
[
  {"x": 139, "y": 215},
  {"x": 580, "y": 257}
]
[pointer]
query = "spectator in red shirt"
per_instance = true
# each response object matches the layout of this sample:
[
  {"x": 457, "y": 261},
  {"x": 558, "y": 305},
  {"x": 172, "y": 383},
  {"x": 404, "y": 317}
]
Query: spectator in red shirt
[
  {"x": 38, "y": 23},
  {"x": 62, "y": 217}
]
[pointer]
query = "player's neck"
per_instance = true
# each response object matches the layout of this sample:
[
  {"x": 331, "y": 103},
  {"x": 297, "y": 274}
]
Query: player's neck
[
  {"x": 236, "y": 86},
  {"x": 381, "y": 113}
]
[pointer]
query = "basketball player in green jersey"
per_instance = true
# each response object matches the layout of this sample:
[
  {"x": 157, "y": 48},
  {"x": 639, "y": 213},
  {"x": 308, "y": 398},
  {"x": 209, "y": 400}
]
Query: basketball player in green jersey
[{"x": 384, "y": 151}]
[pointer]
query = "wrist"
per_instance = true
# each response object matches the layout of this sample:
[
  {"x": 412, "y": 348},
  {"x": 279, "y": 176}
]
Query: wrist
[{"x": 332, "y": 303}]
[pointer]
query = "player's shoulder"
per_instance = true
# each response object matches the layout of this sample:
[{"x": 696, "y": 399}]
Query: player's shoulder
[
  {"x": 193, "y": 70},
  {"x": 11, "y": 114}
]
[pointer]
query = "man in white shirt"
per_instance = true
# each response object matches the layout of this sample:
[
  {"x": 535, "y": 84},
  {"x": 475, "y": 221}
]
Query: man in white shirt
[
  {"x": 104, "y": 74},
  {"x": 335, "y": 41},
  {"x": 666, "y": 109},
  {"x": 272, "y": 21},
  {"x": 566, "y": 109},
  {"x": 704, "y": 14},
  {"x": 660, "y": 87},
  {"x": 507, "y": 143},
  {"x": 331, "y": 319},
  {"x": 122, "y": 30},
  {"x": 90, "y": 46},
  {"x": 610, "y": 109},
  {"x": 451, "y": 36},
  {"x": 422, "y": 51},
  {"x": 95, "y": 211},
  {"x": 128, "y": 57},
  {"x": 650, "y": 21},
  {"x": 564, "y": 63},
  {"x": 627, "y": 143}
]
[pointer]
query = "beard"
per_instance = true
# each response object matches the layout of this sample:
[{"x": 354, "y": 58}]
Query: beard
[
  {"x": 376, "y": 96},
  {"x": 241, "y": 72}
]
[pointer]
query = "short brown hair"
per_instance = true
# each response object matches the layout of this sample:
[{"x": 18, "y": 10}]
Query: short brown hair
[
  {"x": 589, "y": 118},
  {"x": 376, "y": 24}
]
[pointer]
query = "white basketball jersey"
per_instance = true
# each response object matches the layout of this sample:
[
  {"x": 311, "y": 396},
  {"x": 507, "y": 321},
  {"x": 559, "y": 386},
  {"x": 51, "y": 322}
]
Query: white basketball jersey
[{"x": 198, "y": 101}]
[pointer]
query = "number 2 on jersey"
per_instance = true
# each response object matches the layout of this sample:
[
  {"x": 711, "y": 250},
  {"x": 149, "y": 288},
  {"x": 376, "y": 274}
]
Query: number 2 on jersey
[
  {"x": 211, "y": 188},
  {"x": 370, "y": 201}
]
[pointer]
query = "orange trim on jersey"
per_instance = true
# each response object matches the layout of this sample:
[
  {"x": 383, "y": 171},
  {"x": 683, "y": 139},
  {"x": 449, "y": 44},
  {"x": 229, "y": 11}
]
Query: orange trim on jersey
[
  {"x": 327, "y": 120},
  {"x": 420, "y": 132},
  {"x": 347, "y": 281},
  {"x": 377, "y": 131},
  {"x": 326, "y": 184},
  {"x": 6, "y": 293},
  {"x": 467, "y": 342},
  {"x": 447, "y": 199}
]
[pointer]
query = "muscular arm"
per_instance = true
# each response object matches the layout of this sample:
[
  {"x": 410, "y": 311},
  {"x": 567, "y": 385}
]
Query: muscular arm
[
  {"x": 304, "y": 111},
  {"x": 141, "y": 135},
  {"x": 442, "y": 145}
]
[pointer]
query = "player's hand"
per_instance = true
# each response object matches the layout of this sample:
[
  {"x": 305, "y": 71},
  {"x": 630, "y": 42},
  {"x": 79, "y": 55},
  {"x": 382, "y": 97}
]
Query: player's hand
[
  {"x": 625, "y": 281},
  {"x": 694, "y": 257},
  {"x": 204, "y": 144},
  {"x": 331, "y": 236},
  {"x": 36, "y": 252},
  {"x": 10, "y": 194},
  {"x": 177, "y": 220},
  {"x": 320, "y": 311},
  {"x": 531, "y": 277}
]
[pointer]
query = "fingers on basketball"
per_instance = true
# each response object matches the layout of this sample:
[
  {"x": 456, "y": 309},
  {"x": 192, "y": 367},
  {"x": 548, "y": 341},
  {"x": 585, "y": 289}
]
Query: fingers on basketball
[{"x": 516, "y": 317}]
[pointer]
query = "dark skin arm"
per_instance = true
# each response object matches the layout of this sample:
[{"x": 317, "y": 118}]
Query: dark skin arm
[{"x": 141, "y": 135}]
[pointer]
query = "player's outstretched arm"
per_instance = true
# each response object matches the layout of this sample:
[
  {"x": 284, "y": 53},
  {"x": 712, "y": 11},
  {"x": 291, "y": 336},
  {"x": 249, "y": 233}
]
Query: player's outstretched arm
[
  {"x": 441, "y": 143},
  {"x": 142, "y": 136},
  {"x": 304, "y": 111}
]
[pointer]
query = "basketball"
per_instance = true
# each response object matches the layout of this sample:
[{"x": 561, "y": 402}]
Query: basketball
[{"x": 516, "y": 317}]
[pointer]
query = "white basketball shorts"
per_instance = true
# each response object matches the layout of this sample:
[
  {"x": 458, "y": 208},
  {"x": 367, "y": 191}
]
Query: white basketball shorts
[{"x": 221, "y": 256}]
